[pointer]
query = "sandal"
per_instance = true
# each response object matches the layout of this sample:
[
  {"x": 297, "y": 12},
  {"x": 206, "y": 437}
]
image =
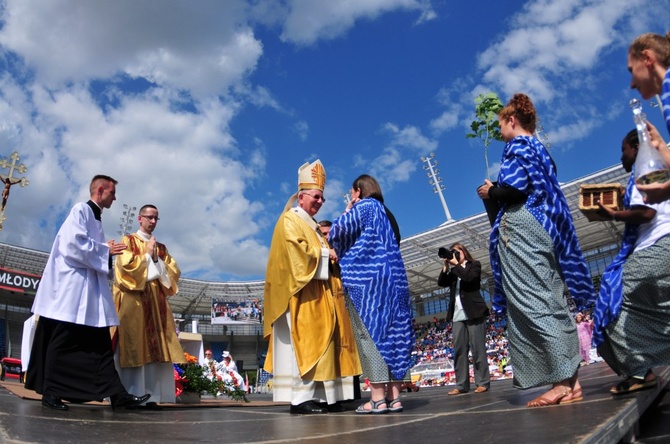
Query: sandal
[
  {"x": 374, "y": 407},
  {"x": 390, "y": 403},
  {"x": 456, "y": 392},
  {"x": 542, "y": 401},
  {"x": 633, "y": 384},
  {"x": 577, "y": 395}
]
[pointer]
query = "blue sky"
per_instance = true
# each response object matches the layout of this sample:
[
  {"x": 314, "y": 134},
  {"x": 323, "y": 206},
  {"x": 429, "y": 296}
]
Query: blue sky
[{"x": 208, "y": 108}]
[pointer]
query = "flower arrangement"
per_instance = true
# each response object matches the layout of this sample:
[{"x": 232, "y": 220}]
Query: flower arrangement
[{"x": 193, "y": 377}]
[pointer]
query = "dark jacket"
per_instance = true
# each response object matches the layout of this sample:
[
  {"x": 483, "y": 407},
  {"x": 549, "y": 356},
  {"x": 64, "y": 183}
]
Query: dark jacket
[{"x": 471, "y": 298}]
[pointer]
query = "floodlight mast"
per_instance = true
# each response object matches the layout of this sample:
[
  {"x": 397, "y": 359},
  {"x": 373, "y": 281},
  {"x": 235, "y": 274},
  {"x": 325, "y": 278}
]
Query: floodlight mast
[
  {"x": 127, "y": 219},
  {"x": 436, "y": 181}
]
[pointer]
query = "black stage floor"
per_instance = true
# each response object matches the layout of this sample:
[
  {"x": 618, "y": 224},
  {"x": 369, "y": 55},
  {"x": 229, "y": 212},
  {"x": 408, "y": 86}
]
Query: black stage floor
[{"x": 497, "y": 416}]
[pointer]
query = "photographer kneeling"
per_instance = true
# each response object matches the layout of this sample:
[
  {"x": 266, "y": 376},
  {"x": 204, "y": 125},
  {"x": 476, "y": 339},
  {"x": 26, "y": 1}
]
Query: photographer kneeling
[{"x": 468, "y": 312}]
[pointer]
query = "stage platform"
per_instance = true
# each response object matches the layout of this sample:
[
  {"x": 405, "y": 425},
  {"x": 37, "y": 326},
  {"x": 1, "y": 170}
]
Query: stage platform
[{"x": 497, "y": 416}]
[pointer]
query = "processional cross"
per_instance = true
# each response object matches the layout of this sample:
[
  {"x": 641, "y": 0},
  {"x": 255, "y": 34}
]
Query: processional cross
[{"x": 9, "y": 180}]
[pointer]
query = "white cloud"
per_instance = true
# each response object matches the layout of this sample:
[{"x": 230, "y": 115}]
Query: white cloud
[
  {"x": 308, "y": 21},
  {"x": 399, "y": 158},
  {"x": 494, "y": 170},
  {"x": 458, "y": 102},
  {"x": 302, "y": 130},
  {"x": 562, "y": 39},
  {"x": 185, "y": 163},
  {"x": 165, "y": 147},
  {"x": 410, "y": 137},
  {"x": 446, "y": 121},
  {"x": 202, "y": 49},
  {"x": 392, "y": 167}
]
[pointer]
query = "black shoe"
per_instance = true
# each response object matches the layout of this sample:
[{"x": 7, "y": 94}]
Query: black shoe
[
  {"x": 147, "y": 406},
  {"x": 54, "y": 402},
  {"x": 334, "y": 408},
  {"x": 307, "y": 408},
  {"x": 127, "y": 400},
  {"x": 151, "y": 406}
]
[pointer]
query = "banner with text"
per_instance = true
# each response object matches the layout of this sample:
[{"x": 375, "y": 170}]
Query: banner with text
[{"x": 18, "y": 281}]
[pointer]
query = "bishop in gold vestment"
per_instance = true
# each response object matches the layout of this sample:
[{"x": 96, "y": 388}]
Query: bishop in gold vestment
[{"x": 312, "y": 353}]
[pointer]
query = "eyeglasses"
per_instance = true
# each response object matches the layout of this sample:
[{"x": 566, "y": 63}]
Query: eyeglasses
[
  {"x": 317, "y": 197},
  {"x": 150, "y": 217}
]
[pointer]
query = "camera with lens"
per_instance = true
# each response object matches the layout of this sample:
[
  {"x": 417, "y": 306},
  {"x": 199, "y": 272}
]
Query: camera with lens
[{"x": 448, "y": 254}]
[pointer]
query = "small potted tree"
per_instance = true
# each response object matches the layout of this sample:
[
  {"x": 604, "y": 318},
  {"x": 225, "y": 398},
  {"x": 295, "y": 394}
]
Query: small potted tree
[{"x": 486, "y": 127}]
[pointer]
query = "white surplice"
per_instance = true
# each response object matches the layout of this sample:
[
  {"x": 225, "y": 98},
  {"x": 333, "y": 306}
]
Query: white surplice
[{"x": 74, "y": 286}]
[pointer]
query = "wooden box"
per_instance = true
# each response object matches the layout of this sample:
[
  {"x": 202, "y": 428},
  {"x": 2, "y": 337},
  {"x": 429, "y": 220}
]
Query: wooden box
[{"x": 609, "y": 194}]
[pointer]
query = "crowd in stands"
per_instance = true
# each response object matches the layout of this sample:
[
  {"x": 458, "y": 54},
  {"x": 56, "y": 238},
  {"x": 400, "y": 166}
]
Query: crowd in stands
[
  {"x": 434, "y": 339},
  {"x": 434, "y": 344}
]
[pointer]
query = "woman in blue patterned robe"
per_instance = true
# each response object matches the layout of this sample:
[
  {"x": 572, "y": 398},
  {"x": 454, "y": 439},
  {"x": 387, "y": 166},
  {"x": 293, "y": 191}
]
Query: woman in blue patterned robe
[
  {"x": 535, "y": 254},
  {"x": 367, "y": 241}
]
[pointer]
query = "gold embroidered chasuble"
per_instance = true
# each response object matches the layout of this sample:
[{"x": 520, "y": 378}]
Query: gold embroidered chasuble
[
  {"x": 146, "y": 331},
  {"x": 321, "y": 330}
]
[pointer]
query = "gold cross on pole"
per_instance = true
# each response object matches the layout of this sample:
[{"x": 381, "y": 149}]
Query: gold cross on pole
[{"x": 9, "y": 180}]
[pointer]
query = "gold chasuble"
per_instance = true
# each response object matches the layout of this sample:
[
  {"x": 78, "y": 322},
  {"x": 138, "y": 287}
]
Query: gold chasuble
[
  {"x": 321, "y": 330},
  {"x": 146, "y": 332}
]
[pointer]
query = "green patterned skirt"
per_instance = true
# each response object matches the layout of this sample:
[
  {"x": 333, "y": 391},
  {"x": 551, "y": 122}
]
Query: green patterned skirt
[{"x": 544, "y": 346}]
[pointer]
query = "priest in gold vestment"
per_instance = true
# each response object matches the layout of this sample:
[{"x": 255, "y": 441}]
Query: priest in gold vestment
[
  {"x": 312, "y": 353},
  {"x": 145, "y": 275}
]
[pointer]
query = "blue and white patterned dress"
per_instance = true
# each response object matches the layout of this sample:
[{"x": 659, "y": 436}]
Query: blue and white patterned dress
[
  {"x": 610, "y": 297},
  {"x": 665, "y": 98},
  {"x": 374, "y": 277},
  {"x": 534, "y": 250}
]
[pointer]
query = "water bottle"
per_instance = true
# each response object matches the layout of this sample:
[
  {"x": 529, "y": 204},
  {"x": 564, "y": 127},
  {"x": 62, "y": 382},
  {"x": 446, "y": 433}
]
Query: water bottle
[{"x": 649, "y": 165}]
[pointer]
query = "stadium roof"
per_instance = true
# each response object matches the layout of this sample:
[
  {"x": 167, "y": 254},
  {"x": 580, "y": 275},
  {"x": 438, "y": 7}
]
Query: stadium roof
[{"x": 419, "y": 253}]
